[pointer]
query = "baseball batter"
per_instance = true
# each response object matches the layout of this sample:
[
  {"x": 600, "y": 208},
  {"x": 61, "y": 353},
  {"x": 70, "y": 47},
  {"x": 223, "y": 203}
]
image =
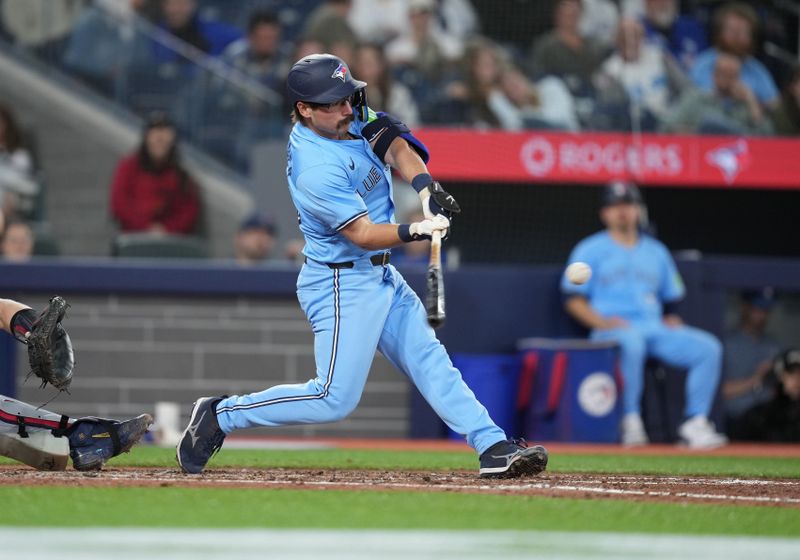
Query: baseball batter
[
  {"x": 630, "y": 299},
  {"x": 340, "y": 156}
]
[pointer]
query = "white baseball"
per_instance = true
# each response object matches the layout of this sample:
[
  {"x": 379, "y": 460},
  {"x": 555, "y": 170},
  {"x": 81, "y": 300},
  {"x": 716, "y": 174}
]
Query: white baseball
[{"x": 579, "y": 273}]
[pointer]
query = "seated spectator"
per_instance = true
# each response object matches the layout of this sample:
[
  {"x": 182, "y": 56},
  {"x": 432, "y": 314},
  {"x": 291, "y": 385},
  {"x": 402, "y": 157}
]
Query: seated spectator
[
  {"x": 734, "y": 33},
  {"x": 255, "y": 240},
  {"x": 151, "y": 191},
  {"x": 599, "y": 21},
  {"x": 778, "y": 419},
  {"x": 650, "y": 76},
  {"x": 458, "y": 17},
  {"x": 424, "y": 47},
  {"x": 786, "y": 116},
  {"x": 328, "y": 25},
  {"x": 385, "y": 94},
  {"x": 180, "y": 18},
  {"x": 681, "y": 35},
  {"x": 480, "y": 92},
  {"x": 525, "y": 105},
  {"x": 730, "y": 108},
  {"x": 630, "y": 298},
  {"x": 748, "y": 356},
  {"x": 18, "y": 186},
  {"x": 17, "y": 241},
  {"x": 379, "y": 22},
  {"x": 41, "y": 26},
  {"x": 564, "y": 53},
  {"x": 104, "y": 41},
  {"x": 258, "y": 54},
  {"x": 496, "y": 94}
]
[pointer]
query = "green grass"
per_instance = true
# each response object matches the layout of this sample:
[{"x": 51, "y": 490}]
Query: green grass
[
  {"x": 768, "y": 467},
  {"x": 335, "y": 509},
  {"x": 291, "y": 508}
]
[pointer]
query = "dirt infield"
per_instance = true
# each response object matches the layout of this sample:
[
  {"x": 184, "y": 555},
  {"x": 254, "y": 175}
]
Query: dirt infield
[
  {"x": 555, "y": 448},
  {"x": 783, "y": 493}
]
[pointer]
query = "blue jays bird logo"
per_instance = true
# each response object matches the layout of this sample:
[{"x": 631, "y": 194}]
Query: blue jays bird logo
[
  {"x": 340, "y": 72},
  {"x": 730, "y": 159}
]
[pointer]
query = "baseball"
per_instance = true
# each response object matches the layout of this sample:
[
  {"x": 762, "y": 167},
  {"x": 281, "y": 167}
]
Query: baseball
[{"x": 579, "y": 273}]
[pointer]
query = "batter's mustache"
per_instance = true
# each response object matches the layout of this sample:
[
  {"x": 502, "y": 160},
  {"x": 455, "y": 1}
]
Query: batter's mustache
[{"x": 346, "y": 120}]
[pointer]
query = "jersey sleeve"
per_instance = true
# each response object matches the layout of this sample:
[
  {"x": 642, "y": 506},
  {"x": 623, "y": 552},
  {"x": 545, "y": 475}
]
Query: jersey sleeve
[
  {"x": 672, "y": 288},
  {"x": 582, "y": 252},
  {"x": 330, "y": 197}
]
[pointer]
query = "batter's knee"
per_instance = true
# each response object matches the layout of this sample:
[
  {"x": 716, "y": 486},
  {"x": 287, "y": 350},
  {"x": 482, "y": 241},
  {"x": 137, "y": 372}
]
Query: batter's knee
[{"x": 335, "y": 409}]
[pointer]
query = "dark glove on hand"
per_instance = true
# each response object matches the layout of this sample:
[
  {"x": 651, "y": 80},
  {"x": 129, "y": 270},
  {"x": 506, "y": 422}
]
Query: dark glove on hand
[
  {"x": 49, "y": 347},
  {"x": 435, "y": 200}
]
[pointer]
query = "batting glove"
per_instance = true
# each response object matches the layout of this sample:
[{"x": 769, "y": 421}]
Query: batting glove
[
  {"x": 425, "y": 228},
  {"x": 435, "y": 200}
]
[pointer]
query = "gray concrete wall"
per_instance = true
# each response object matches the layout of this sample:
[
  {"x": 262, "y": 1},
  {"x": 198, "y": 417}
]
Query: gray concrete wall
[{"x": 134, "y": 351}]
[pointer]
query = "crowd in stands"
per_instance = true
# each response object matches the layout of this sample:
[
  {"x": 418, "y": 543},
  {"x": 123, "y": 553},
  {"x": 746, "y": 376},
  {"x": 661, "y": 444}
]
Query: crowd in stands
[
  {"x": 651, "y": 65},
  {"x": 20, "y": 190}
]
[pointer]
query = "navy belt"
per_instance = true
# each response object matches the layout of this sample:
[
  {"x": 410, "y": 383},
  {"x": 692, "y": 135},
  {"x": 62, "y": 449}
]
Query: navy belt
[{"x": 381, "y": 259}]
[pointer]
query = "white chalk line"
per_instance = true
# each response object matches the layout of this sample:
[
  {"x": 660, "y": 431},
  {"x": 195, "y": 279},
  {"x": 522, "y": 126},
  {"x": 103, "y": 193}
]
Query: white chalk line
[{"x": 571, "y": 488}]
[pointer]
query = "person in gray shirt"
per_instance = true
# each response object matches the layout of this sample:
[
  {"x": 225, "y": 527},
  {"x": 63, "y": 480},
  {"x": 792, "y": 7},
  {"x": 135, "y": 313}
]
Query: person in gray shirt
[{"x": 748, "y": 355}]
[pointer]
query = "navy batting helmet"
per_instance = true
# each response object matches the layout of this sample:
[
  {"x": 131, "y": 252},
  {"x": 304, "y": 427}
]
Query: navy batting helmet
[
  {"x": 618, "y": 192},
  {"x": 321, "y": 78}
]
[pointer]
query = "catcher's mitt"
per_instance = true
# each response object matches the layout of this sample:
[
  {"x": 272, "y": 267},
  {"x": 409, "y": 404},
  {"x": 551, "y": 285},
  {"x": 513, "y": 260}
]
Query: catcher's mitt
[{"x": 49, "y": 347}]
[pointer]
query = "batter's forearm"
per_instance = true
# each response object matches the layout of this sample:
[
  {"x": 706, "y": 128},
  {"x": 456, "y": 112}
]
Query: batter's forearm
[
  {"x": 370, "y": 236},
  {"x": 405, "y": 159}
]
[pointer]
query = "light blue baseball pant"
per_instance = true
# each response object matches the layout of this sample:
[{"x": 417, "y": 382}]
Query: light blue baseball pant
[
  {"x": 685, "y": 347},
  {"x": 352, "y": 312}
]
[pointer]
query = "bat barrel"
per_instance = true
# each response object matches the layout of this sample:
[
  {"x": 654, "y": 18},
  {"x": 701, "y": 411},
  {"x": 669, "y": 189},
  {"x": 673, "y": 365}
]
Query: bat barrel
[{"x": 434, "y": 295}]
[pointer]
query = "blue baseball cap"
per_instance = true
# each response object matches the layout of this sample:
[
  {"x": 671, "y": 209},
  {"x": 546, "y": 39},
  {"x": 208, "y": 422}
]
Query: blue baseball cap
[
  {"x": 763, "y": 298},
  {"x": 619, "y": 192},
  {"x": 258, "y": 221}
]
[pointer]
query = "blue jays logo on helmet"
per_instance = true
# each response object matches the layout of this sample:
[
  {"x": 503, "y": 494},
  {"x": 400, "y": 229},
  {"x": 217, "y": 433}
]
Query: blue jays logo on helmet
[
  {"x": 340, "y": 72},
  {"x": 321, "y": 78}
]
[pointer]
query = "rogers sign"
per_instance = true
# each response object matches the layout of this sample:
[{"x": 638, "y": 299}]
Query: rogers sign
[
  {"x": 554, "y": 157},
  {"x": 672, "y": 160}
]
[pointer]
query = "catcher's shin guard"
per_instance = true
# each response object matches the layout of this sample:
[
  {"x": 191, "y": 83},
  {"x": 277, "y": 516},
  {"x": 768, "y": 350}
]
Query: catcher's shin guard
[
  {"x": 93, "y": 441},
  {"x": 33, "y": 436}
]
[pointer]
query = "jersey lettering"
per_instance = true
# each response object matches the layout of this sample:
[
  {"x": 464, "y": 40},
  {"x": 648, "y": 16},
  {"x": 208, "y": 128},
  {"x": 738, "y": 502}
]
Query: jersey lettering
[{"x": 373, "y": 178}]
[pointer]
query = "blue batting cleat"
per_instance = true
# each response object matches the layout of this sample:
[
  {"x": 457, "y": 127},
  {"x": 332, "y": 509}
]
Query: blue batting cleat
[
  {"x": 202, "y": 437},
  {"x": 512, "y": 459}
]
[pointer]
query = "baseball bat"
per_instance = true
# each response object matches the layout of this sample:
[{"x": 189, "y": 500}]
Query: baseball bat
[{"x": 434, "y": 297}]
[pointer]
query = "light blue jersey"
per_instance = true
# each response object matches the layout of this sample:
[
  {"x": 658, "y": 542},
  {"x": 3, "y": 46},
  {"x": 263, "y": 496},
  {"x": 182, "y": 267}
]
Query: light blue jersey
[
  {"x": 354, "y": 306},
  {"x": 333, "y": 183},
  {"x": 627, "y": 282},
  {"x": 633, "y": 283}
]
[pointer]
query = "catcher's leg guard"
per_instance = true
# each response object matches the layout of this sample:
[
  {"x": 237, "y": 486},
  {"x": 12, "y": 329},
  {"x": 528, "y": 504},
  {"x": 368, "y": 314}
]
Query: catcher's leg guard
[
  {"x": 93, "y": 441},
  {"x": 33, "y": 436}
]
